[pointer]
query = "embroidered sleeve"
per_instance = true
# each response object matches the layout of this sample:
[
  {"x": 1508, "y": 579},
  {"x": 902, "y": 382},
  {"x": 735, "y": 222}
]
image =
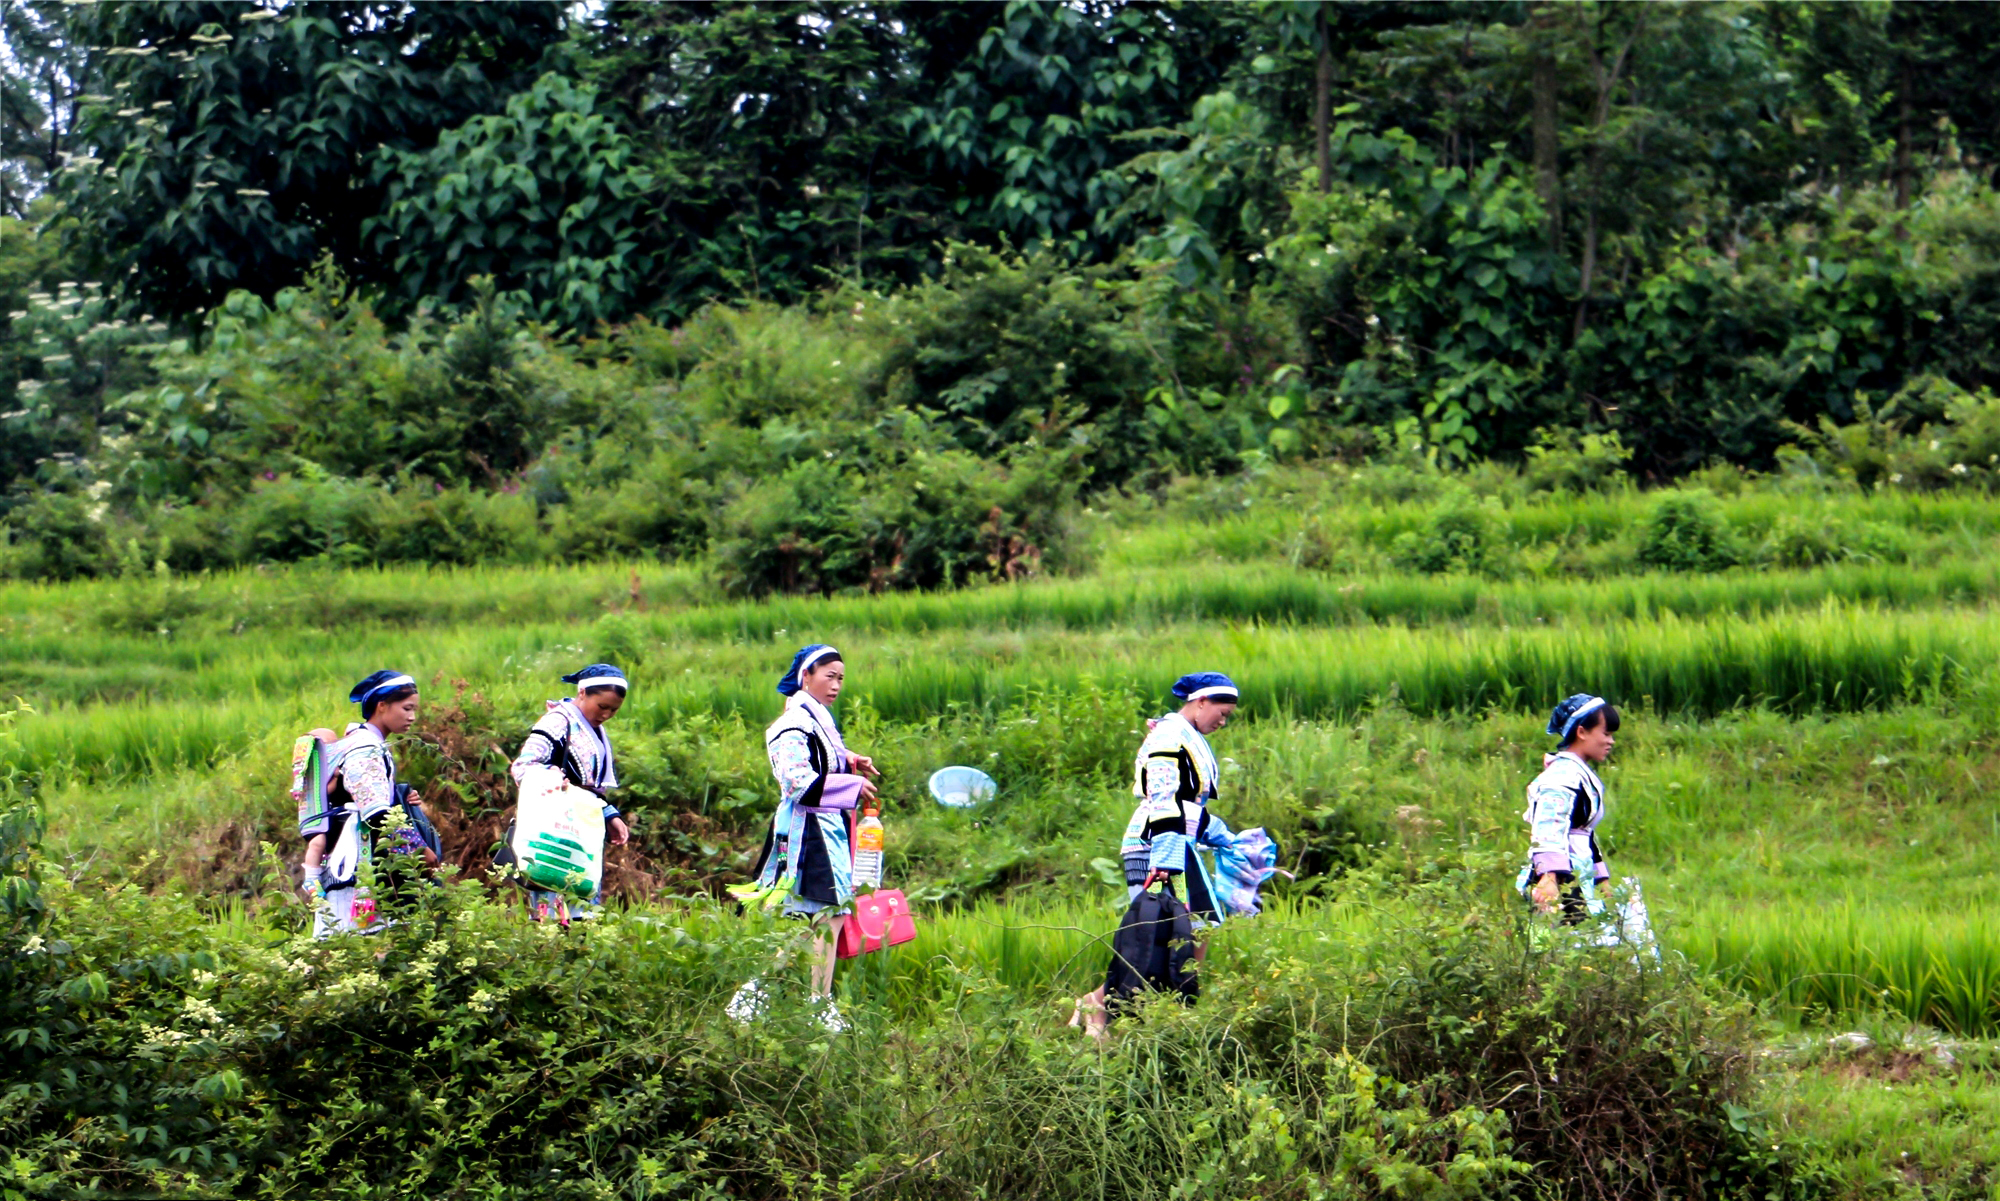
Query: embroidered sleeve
[
  {"x": 1216, "y": 833},
  {"x": 365, "y": 774},
  {"x": 1163, "y": 813},
  {"x": 1551, "y": 800},
  {"x": 791, "y": 763},
  {"x": 542, "y": 746}
]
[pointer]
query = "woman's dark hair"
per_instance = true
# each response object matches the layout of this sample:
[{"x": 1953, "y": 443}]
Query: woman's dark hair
[
  {"x": 833, "y": 658},
  {"x": 604, "y": 688},
  {"x": 401, "y": 694},
  {"x": 1607, "y": 716}
]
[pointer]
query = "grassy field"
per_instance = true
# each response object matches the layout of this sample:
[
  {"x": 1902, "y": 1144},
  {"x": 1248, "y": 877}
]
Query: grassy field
[{"x": 1804, "y": 782}]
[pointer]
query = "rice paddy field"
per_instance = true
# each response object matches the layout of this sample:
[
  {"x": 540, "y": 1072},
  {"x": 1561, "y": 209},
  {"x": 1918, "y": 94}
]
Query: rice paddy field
[{"x": 1804, "y": 782}]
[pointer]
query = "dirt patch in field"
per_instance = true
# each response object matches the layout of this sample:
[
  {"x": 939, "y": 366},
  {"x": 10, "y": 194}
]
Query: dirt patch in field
[
  {"x": 1879, "y": 1064},
  {"x": 462, "y": 772}
]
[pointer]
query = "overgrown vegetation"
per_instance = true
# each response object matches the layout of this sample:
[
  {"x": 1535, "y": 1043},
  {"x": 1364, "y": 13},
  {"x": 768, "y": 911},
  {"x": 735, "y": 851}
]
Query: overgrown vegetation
[
  {"x": 1792, "y": 731},
  {"x": 858, "y": 447},
  {"x": 166, "y": 1050},
  {"x": 902, "y": 354}
]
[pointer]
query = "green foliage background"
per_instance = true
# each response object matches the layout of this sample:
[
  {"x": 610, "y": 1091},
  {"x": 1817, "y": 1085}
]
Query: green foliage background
[{"x": 1143, "y": 240}]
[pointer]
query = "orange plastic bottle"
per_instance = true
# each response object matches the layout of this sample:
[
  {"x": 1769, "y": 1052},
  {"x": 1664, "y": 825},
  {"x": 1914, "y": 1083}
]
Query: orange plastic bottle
[{"x": 868, "y": 850}]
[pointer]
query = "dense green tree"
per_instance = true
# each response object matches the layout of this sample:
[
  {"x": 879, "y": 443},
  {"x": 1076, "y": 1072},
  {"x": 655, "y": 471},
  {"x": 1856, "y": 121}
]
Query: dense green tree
[
  {"x": 38, "y": 101},
  {"x": 1030, "y": 122},
  {"x": 548, "y": 198},
  {"x": 1892, "y": 91},
  {"x": 795, "y": 141},
  {"x": 230, "y": 144},
  {"x": 770, "y": 134}
]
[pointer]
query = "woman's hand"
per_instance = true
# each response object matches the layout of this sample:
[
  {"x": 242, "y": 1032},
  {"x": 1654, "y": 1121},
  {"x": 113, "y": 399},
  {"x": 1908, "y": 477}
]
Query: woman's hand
[
  {"x": 1158, "y": 875},
  {"x": 620, "y": 832},
  {"x": 862, "y": 765},
  {"x": 1543, "y": 894},
  {"x": 868, "y": 791}
]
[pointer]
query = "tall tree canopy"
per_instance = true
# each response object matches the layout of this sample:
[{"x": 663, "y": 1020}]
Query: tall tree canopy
[
  {"x": 1473, "y": 218},
  {"x": 228, "y": 146}
]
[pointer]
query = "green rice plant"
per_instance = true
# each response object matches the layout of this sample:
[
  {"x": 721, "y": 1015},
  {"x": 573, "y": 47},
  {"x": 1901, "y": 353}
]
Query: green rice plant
[
  {"x": 315, "y": 598},
  {"x": 1041, "y": 949},
  {"x": 1262, "y": 530},
  {"x": 1835, "y": 961},
  {"x": 1839, "y": 659},
  {"x": 48, "y": 656}
]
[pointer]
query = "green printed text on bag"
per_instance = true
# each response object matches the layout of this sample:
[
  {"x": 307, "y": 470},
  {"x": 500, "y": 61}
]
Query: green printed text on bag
[{"x": 559, "y": 834}]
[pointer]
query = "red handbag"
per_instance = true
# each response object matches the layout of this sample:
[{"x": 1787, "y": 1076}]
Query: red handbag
[{"x": 880, "y": 919}]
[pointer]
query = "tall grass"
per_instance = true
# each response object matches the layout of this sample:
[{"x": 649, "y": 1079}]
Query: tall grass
[
  {"x": 1838, "y": 659},
  {"x": 321, "y": 598},
  {"x": 105, "y": 638},
  {"x": 1827, "y": 963},
  {"x": 1941, "y": 968},
  {"x": 164, "y": 707},
  {"x": 1278, "y": 595},
  {"x": 1268, "y": 528}
]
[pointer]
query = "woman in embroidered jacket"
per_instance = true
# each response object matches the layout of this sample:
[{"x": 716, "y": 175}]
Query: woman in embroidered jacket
[
  {"x": 571, "y": 736},
  {"x": 1174, "y": 777},
  {"x": 363, "y": 792},
  {"x": 808, "y": 853},
  {"x": 1565, "y": 805}
]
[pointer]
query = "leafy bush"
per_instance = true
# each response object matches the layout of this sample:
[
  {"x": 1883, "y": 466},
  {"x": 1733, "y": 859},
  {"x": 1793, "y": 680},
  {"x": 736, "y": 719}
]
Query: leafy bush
[
  {"x": 313, "y": 383},
  {"x": 663, "y": 509},
  {"x": 58, "y": 536},
  {"x": 1627, "y": 1073},
  {"x": 457, "y": 525},
  {"x": 760, "y": 364},
  {"x": 1459, "y": 535},
  {"x": 290, "y": 518},
  {"x": 462, "y": 1051},
  {"x": 937, "y": 518},
  {"x": 1562, "y": 460},
  {"x": 1399, "y": 476},
  {"x": 1796, "y": 541},
  {"x": 1686, "y": 532},
  {"x": 1010, "y": 350}
]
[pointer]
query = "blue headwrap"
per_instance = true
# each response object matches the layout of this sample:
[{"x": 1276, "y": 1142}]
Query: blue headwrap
[
  {"x": 379, "y": 684},
  {"x": 1570, "y": 711},
  {"x": 808, "y": 658},
  {"x": 598, "y": 675},
  {"x": 1210, "y": 685}
]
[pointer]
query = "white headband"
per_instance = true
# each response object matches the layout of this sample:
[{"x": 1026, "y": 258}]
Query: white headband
[
  {"x": 588, "y": 682},
  {"x": 1582, "y": 711},
  {"x": 1212, "y": 690},
  {"x": 812, "y": 661},
  {"x": 390, "y": 685}
]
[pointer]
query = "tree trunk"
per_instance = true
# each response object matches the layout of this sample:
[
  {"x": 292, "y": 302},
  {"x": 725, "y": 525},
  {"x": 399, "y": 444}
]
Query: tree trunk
[
  {"x": 1903, "y": 135},
  {"x": 1589, "y": 273},
  {"x": 1545, "y": 118},
  {"x": 1323, "y": 103},
  {"x": 1607, "y": 85}
]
